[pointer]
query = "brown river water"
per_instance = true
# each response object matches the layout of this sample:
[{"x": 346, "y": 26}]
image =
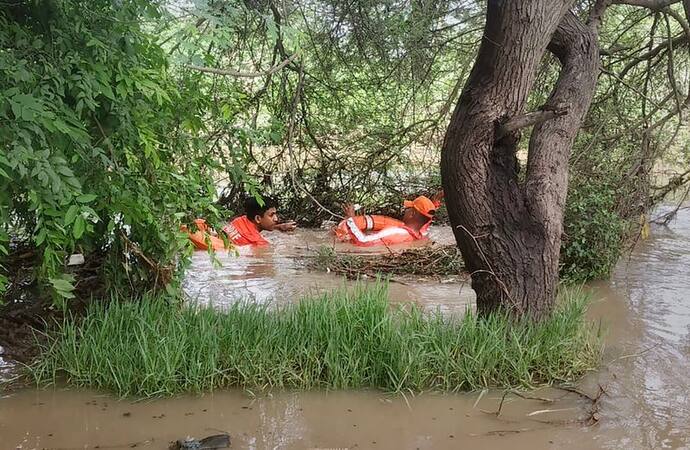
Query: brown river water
[{"x": 645, "y": 309}]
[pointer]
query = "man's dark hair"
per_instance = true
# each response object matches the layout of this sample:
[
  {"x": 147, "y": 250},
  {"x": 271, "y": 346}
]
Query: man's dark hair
[{"x": 252, "y": 208}]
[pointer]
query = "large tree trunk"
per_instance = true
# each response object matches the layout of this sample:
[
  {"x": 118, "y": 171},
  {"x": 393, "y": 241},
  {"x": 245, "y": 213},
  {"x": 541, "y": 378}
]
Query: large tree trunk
[{"x": 509, "y": 230}]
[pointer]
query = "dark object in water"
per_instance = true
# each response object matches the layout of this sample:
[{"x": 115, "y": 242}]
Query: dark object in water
[{"x": 207, "y": 443}]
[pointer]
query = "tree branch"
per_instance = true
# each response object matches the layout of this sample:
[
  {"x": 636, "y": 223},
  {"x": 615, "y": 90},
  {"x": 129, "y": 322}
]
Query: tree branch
[
  {"x": 234, "y": 73},
  {"x": 654, "y": 5},
  {"x": 680, "y": 19},
  {"x": 597, "y": 14},
  {"x": 528, "y": 120},
  {"x": 679, "y": 41}
]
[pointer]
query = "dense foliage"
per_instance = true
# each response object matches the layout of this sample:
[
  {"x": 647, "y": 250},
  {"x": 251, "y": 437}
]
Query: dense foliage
[{"x": 103, "y": 152}]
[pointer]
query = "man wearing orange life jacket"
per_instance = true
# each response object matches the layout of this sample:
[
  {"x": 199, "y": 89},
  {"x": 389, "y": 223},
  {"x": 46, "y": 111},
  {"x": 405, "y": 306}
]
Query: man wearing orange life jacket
[
  {"x": 243, "y": 230},
  {"x": 381, "y": 230},
  {"x": 246, "y": 229}
]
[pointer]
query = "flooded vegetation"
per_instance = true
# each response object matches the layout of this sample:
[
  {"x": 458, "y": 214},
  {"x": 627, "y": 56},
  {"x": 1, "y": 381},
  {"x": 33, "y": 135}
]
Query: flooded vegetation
[
  {"x": 437, "y": 224},
  {"x": 437, "y": 262},
  {"x": 346, "y": 339},
  {"x": 643, "y": 309}
]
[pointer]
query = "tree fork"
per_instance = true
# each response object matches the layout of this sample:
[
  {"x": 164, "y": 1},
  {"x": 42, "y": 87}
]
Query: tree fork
[
  {"x": 529, "y": 119},
  {"x": 509, "y": 231}
]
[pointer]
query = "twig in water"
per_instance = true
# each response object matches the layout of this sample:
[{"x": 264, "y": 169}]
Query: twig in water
[
  {"x": 479, "y": 398},
  {"x": 634, "y": 355},
  {"x": 593, "y": 415},
  {"x": 500, "y": 406},
  {"x": 664, "y": 219},
  {"x": 528, "y": 397},
  {"x": 544, "y": 411},
  {"x": 504, "y": 432}
]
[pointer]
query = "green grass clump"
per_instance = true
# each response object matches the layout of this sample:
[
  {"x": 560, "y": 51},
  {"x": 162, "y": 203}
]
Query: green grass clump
[{"x": 344, "y": 339}]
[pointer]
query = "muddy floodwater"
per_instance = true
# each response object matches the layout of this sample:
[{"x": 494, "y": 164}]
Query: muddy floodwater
[
  {"x": 277, "y": 274},
  {"x": 645, "y": 309}
]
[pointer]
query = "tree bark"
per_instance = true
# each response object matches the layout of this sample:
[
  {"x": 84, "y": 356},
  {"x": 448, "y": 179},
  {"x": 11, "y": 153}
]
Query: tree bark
[{"x": 509, "y": 231}]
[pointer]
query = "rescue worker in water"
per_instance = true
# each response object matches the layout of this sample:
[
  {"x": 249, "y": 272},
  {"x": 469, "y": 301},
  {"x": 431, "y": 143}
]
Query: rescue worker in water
[
  {"x": 246, "y": 229},
  {"x": 373, "y": 230}
]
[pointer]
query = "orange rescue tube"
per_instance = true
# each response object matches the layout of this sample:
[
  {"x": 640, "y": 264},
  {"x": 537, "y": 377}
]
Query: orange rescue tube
[
  {"x": 202, "y": 238},
  {"x": 367, "y": 223}
]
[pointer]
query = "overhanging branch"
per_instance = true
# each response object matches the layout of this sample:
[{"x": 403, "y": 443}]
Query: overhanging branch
[
  {"x": 654, "y": 5},
  {"x": 234, "y": 73}
]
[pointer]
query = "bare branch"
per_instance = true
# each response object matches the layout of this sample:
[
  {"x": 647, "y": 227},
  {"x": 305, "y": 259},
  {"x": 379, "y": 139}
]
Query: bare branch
[
  {"x": 654, "y": 5},
  {"x": 670, "y": 70},
  {"x": 632, "y": 88},
  {"x": 529, "y": 119},
  {"x": 674, "y": 43},
  {"x": 234, "y": 73},
  {"x": 680, "y": 19}
]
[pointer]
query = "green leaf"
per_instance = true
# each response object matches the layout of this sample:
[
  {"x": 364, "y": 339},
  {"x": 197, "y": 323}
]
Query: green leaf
[
  {"x": 65, "y": 294},
  {"x": 40, "y": 237},
  {"x": 61, "y": 285},
  {"x": 79, "y": 227},
  {"x": 107, "y": 91},
  {"x": 16, "y": 109},
  {"x": 64, "y": 170},
  {"x": 71, "y": 214},
  {"x": 86, "y": 198}
]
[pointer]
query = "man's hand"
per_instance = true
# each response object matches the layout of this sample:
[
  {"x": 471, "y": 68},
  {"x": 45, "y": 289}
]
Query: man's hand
[
  {"x": 349, "y": 210},
  {"x": 286, "y": 226}
]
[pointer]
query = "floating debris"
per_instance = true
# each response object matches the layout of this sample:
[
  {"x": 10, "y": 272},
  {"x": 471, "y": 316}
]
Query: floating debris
[
  {"x": 208, "y": 443},
  {"x": 435, "y": 261}
]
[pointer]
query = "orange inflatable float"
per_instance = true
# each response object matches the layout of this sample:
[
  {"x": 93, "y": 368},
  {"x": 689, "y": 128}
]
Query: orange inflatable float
[
  {"x": 372, "y": 230},
  {"x": 381, "y": 231},
  {"x": 202, "y": 238},
  {"x": 367, "y": 223}
]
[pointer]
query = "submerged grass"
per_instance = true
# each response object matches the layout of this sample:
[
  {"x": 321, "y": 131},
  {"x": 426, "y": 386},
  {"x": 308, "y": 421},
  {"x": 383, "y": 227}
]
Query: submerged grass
[{"x": 344, "y": 339}]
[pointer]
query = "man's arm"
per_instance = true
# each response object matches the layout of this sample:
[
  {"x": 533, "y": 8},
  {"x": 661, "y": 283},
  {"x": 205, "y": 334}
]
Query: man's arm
[{"x": 286, "y": 226}]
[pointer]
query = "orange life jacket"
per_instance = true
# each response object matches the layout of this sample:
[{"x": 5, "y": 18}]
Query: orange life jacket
[
  {"x": 202, "y": 238},
  {"x": 242, "y": 231},
  {"x": 367, "y": 223}
]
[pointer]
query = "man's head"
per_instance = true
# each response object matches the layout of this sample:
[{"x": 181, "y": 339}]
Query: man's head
[
  {"x": 418, "y": 212},
  {"x": 264, "y": 216}
]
